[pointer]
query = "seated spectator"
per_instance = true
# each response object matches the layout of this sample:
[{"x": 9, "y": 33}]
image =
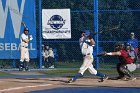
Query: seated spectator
[
  {"x": 51, "y": 58},
  {"x": 45, "y": 53}
]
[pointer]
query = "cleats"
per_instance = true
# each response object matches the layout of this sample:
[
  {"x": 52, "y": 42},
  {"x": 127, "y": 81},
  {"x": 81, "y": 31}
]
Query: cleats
[
  {"x": 104, "y": 78},
  {"x": 70, "y": 81}
]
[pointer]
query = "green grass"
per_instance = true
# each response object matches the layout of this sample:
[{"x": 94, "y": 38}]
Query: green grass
[
  {"x": 72, "y": 72},
  {"x": 107, "y": 68},
  {"x": 4, "y": 73},
  {"x": 58, "y": 72},
  {"x": 78, "y": 64},
  {"x": 68, "y": 64}
]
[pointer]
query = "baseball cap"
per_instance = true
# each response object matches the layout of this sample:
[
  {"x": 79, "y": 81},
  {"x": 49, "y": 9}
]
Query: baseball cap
[{"x": 132, "y": 33}]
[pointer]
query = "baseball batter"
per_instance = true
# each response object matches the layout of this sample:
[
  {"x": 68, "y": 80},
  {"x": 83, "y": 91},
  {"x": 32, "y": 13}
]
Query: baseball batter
[
  {"x": 24, "y": 59},
  {"x": 86, "y": 44}
]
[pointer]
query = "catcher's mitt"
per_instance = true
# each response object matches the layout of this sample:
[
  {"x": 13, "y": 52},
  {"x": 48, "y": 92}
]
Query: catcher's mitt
[{"x": 101, "y": 54}]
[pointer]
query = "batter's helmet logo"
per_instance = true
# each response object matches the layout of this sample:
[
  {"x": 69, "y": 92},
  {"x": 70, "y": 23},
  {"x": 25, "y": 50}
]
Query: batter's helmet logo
[{"x": 56, "y": 22}]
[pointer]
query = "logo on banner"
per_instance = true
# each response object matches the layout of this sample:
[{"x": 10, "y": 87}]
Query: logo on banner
[{"x": 56, "y": 22}]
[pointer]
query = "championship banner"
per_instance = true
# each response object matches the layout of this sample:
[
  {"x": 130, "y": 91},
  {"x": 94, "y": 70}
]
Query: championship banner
[
  {"x": 56, "y": 24},
  {"x": 12, "y": 14}
]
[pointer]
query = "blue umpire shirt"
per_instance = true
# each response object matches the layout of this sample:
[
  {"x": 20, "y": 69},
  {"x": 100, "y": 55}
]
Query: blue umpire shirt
[{"x": 133, "y": 42}]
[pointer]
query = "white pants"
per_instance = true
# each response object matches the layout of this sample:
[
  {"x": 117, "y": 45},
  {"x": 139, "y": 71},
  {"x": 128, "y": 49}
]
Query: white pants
[
  {"x": 87, "y": 64},
  {"x": 24, "y": 54},
  {"x": 131, "y": 67}
]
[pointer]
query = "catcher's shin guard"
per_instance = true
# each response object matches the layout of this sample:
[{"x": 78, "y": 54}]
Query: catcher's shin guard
[
  {"x": 126, "y": 71},
  {"x": 121, "y": 74}
]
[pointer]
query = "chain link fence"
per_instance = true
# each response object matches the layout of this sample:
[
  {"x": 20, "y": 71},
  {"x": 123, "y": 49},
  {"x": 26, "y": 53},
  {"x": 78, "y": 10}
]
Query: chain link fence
[{"x": 117, "y": 19}]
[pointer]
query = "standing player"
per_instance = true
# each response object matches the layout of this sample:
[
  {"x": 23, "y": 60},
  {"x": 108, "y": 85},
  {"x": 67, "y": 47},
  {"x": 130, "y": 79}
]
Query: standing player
[
  {"x": 133, "y": 42},
  {"x": 51, "y": 57},
  {"x": 24, "y": 59},
  {"x": 86, "y": 44}
]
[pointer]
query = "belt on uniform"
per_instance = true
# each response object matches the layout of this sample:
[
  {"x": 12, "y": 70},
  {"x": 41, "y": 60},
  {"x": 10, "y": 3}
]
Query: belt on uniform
[
  {"x": 87, "y": 54},
  {"x": 24, "y": 47}
]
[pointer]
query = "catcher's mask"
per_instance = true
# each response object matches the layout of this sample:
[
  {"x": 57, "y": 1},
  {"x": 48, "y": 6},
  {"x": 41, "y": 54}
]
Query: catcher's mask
[{"x": 119, "y": 46}]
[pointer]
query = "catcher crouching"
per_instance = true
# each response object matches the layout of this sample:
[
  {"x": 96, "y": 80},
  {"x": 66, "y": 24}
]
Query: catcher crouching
[{"x": 127, "y": 58}]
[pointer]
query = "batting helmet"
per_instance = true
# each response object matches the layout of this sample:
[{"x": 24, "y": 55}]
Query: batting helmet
[
  {"x": 26, "y": 29},
  {"x": 87, "y": 33}
]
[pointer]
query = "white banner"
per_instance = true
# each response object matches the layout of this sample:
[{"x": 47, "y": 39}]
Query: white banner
[{"x": 56, "y": 24}]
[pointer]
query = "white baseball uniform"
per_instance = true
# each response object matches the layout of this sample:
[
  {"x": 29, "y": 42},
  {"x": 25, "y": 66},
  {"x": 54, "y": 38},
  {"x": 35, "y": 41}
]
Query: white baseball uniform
[
  {"x": 86, "y": 45},
  {"x": 87, "y": 51},
  {"x": 24, "y": 47}
]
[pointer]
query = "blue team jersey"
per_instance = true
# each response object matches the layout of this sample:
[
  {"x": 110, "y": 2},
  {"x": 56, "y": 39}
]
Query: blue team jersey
[{"x": 133, "y": 42}]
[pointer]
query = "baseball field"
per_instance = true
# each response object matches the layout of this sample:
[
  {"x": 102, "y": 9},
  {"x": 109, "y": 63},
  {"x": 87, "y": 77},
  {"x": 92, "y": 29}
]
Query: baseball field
[{"x": 54, "y": 81}]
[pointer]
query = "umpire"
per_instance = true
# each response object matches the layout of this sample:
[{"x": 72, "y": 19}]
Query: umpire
[{"x": 24, "y": 41}]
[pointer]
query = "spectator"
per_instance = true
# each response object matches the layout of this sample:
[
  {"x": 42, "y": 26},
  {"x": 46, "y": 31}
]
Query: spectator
[
  {"x": 133, "y": 42},
  {"x": 51, "y": 58},
  {"x": 45, "y": 54}
]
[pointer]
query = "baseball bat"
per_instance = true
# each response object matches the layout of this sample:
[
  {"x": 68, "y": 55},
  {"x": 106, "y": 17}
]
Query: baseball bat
[
  {"x": 106, "y": 31},
  {"x": 24, "y": 24},
  {"x": 100, "y": 32}
]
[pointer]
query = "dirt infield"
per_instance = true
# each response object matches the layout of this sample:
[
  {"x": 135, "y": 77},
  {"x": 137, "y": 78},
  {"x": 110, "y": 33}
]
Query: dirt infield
[{"x": 21, "y": 85}]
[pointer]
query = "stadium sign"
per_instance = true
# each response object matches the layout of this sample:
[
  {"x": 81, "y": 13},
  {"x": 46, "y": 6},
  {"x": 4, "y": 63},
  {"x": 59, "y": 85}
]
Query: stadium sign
[
  {"x": 56, "y": 24},
  {"x": 12, "y": 13}
]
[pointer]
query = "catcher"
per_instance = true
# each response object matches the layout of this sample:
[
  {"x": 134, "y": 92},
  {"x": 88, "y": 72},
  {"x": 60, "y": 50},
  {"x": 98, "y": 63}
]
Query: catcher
[{"x": 126, "y": 56}]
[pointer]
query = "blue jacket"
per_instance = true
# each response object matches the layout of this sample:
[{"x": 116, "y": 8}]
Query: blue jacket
[{"x": 133, "y": 42}]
